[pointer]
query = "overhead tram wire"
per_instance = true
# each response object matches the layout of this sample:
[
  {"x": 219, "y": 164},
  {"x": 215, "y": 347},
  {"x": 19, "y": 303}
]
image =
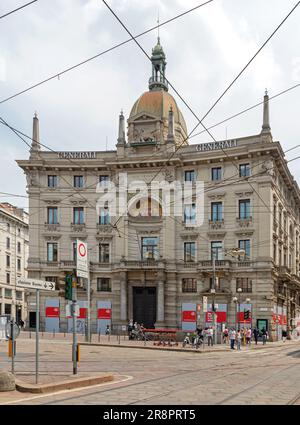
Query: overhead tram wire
[
  {"x": 19, "y": 8},
  {"x": 222, "y": 95},
  {"x": 71, "y": 68}
]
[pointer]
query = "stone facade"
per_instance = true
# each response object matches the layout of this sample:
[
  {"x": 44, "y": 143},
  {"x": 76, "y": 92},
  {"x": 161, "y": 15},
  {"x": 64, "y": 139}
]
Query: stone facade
[
  {"x": 251, "y": 202},
  {"x": 14, "y": 249}
]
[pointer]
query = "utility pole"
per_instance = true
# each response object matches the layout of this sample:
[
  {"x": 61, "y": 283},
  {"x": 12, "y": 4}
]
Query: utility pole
[
  {"x": 213, "y": 291},
  {"x": 74, "y": 347},
  {"x": 88, "y": 335}
]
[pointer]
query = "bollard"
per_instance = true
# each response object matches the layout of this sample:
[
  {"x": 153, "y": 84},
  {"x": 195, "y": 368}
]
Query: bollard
[
  {"x": 64, "y": 334},
  {"x": 30, "y": 334},
  {"x": 42, "y": 334},
  {"x": 109, "y": 337},
  {"x": 99, "y": 336},
  {"x": 53, "y": 333}
]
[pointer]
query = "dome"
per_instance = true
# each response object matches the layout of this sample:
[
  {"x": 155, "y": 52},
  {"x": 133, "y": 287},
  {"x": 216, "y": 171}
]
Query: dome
[
  {"x": 158, "y": 50},
  {"x": 158, "y": 103}
]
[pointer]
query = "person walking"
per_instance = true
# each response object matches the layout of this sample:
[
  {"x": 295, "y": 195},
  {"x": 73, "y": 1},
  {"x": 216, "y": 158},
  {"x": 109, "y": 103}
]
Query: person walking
[
  {"x": 225, "y": 336},
  {"x": 238, "y": 339},
  {"x": 107, "y": 331},
  {"x": 264, "y": 336},
  {"x": 210, "y": 334},
  {"x": 284, "y": 335},
  {"x": 130, "y": 329},
  {"x": 232, "y": 335},
  {"x": 248, "y": 336},
  {"x": 256, "y": 335}
]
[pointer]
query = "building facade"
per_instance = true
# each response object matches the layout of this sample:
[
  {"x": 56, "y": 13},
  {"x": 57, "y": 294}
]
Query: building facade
[
  {"x": 156, "y": 268},
  {"x": 14, "y": 250}
]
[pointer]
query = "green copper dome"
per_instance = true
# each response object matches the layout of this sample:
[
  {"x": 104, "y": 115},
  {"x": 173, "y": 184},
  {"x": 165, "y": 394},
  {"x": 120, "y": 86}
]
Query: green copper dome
[{"x": 158, "y": 50}]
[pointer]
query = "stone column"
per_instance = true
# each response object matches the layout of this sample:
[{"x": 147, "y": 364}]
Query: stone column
[
  {"x": 160, "y": 314},
  {"x": 123, "y": 296}
]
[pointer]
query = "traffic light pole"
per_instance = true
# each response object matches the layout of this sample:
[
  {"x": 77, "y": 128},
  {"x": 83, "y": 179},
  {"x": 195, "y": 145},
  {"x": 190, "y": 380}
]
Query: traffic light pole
[
  {"x": 88, "y": 289},
  {"x": 74, "y": 347},
  {"x": 37, "y": 329}
]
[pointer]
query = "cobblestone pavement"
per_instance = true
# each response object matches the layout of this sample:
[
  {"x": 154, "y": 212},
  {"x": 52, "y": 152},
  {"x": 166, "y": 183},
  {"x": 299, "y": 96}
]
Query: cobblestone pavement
[{"x": 268, "y": 375}]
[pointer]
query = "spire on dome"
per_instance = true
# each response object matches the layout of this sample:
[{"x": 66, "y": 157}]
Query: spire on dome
[
  {"x": 266, "y": 118},
  {"x": 121, "y": 136},
  {"x": 158, "y": 59},
  {"x": 35, "y": 144}
]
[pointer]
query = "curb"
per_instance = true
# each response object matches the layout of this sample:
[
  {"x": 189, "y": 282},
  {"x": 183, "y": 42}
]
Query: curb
[{"x": 63, "y": 385}]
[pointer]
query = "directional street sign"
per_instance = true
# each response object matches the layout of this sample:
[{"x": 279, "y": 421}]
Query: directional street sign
[
  {"x": 81, "y": 259},
  {"x": 34, "y": 284},
  {"x": 204, "y": 304}
]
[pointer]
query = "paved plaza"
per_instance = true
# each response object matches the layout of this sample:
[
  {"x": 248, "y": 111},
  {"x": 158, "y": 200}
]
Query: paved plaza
[{"x": 263, "y": 375}]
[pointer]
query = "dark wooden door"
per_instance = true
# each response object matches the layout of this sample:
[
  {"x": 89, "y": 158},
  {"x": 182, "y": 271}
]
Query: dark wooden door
[{"x": 144, "y": 306}]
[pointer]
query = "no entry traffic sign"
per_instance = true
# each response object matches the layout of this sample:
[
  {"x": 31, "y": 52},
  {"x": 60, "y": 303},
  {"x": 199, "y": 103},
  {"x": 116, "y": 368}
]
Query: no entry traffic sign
[{"x": 82, "y": 260}]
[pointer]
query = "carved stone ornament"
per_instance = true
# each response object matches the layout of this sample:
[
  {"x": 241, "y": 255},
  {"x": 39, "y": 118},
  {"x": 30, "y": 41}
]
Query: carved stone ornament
[
  {"x": 269, "y": 167},
  {"x": 170, "y": 175},
  {"x": 32, "y": 178},
  {"x": 216, "y": 195},
  {"x": 52, "y": 238},
  {"x": 243, "y": 194}
]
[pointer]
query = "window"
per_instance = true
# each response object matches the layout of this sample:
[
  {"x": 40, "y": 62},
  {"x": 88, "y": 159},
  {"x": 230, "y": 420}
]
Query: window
[
  {"x": 19, "y": 264},
  {"x": 104, "y": 217},
  {"x": 189, "y": 176},
  {"x": 244, "y": 209},
  {"x": 7, "y": 309},
  {"x": 103, "y": 284},
  {"x": 52, "y": 215},
  {"x": 52, "y": 181},
  {"x": 216, "y": 211},
  {"x": 216, "y": 174},
  {"x": 104, "y": 180},
  {"x": 74, "y": 249},
  {"x": 19, "y": 295},
  {"x": 78, "y": 215},
  {"x": 244, "y": 170},
  {"x": 245, "y": 245},
  {"x": 19, "y": 247},
  {"x": 189, "y": 252},
  {"x": 189, "y": 285},
  {"x": 78, "y": 181},
  {"x": 19, "y": 232},
  {"x": 7, "y": 243},
  {"x": 274, "y": 253},
  {"x": 218, "y": 283},
  {"x": 280, "y": 256},
  {"x": 8, "y": 261},
  {"x": 149, "y": 249},
  {"x": 7, "y": 293},
  {"x": 51, "y": 251},
  {"x": 244, "y": 283},
  {"x": 7, "y": 277},
  {"x": 8, "y": 227},
  {"x": 190, "y": 214},
  {"x": 103, "y": 253},
  {"x": 217, "y": 250}
]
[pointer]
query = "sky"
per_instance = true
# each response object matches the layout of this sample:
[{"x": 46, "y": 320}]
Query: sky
[{"x": 205, "y": 50}]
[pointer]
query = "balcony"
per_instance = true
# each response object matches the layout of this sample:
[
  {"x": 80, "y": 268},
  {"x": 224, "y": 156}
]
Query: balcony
[
  {"x": 98, "y": 266},
  {"x": 244, "y": 222},
  {"x": 216, "y": 224},
  {"x": 245, "y": 264},
  {"x": 52, "y": 227},
  {"x": 104, "y": 228},
  {"x": 219, "y": 264},
  {"x": 78, "y": 228},
  {"x": 143, "y": 264}
]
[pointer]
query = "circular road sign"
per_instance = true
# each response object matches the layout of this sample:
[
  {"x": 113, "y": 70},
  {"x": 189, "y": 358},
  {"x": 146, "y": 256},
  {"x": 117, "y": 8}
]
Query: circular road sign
[
  {"x": 8, "y": 330},
  {"x": 82, "y": 250}
]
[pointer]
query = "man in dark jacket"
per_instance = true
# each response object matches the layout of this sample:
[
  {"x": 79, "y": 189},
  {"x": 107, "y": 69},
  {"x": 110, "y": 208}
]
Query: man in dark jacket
[{"x": 256, "y": 335}]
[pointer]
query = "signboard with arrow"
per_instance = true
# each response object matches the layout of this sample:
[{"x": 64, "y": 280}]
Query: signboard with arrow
[{"x": 34, "y": 284}]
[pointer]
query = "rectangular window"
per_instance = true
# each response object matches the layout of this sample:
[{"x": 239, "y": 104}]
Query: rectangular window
[
  {"x": 244, "y": 170},
  {"x": 244, "y": 209},
  {"x": 8, "y": 227},
  {"x": 189, "y": 252},
  {"x": 245, "y": 245},
  {"x": 8, "y": 261},
  {"x": 216, "y": 174},
  {"x": 190, "y": 176},
  {"x": 189, "y": 285},
  {"x": 7, "y": 293},
  {"x": 52, "y": 251},
  {"x": 19, "y": 295},
  {"x": 216, "y": 211},
  {"x": 52, "y": 181},
  {"x": 104, "y": 217},
  {"x": 78, "y": 181},
  {"x": 74, "y": 249},
  {"x": 18, "y": 264},
  {"x": 219, "y": 284},
  {"x": 7, "y": 243},
  {"x": 103, "y": 284},
  {"x": 103, "y": 253},
  {"x": 104, "y": 180},
  {"x": 19, "y": 232},
  {"x": 19, "y": 247},
  {"x": 78, "y": 215},
  {"x": 7, "y": 277},
  {"x": 217, "y": 250},
  {"x": 190, "y": 214},
  {"x": 149, "y": 248},
  {"x": 7, "y": 309},
  {"x": 52, "y": 215},
  {"x": 244, "y": 283}
]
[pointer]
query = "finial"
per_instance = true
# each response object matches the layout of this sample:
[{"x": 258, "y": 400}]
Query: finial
[
  {"x": 266, "y": 92},
  {"x": 122, "y": 112},
  {"x": 35, "y": 115},
  {"x": 158, "y": 37}
]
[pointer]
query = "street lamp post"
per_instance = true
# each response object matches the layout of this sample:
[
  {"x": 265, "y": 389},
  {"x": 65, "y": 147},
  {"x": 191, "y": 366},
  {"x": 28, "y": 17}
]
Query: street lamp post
[
  {"x": 239, "y": 290},
  {"x": 234, "y": 299}
]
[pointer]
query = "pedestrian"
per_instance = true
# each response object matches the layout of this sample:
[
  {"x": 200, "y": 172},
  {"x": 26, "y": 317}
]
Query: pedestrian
[
  {"x": 130, "y": 329},
  {"x": 284, "y": 335},
  {"x": 225, "y": 336},
  {"x": 238, "y": 339},
  {"x": 256, "y": 335},
  {"x": 232, "y": 335},
  {"x": 107, "y": 331},
  {"x": 264, "y": 336},
  {"x": 248, "y": 336},
  {"x": 210, "y": 334}
]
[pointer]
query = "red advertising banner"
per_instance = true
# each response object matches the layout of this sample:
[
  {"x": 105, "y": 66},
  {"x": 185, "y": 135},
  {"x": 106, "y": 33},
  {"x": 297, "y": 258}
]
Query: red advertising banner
[
  {"x": 52, "y": 311},
  {"x": 104, "y": 313},
  {"x": 82, "y": 313},
  {"x": 284, "y": 320},
  {"x": 189, "y": 316},
  {"x": 279, "y": 319},
  {"x": 242, "y": 319},
  {"x": 274, "y": 317},
  {"x": 221, "y": 317}
]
